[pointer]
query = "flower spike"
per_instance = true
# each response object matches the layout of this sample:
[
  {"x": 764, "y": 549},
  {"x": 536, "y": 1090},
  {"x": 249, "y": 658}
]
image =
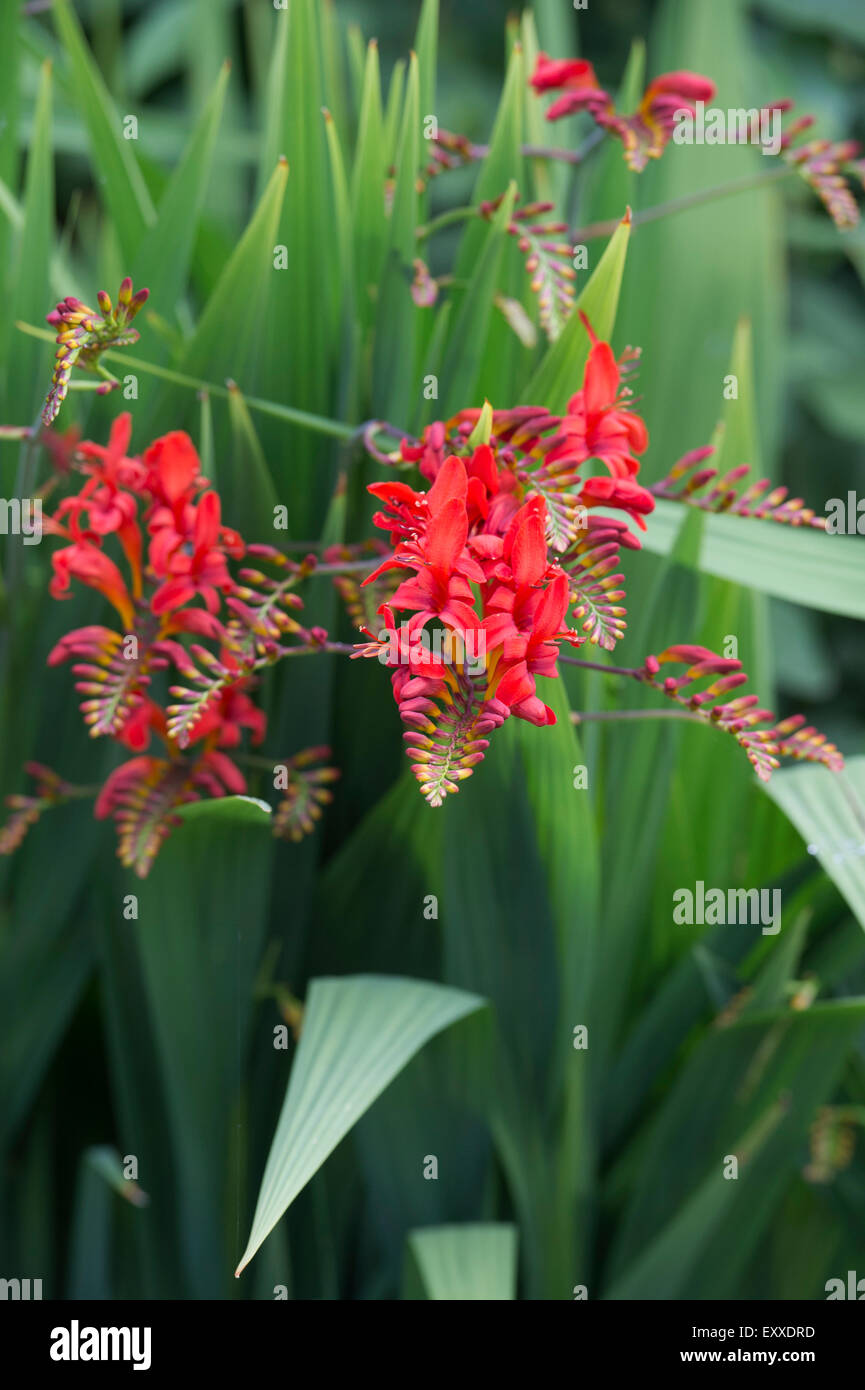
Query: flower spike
[{"x": 84, "y": 333}]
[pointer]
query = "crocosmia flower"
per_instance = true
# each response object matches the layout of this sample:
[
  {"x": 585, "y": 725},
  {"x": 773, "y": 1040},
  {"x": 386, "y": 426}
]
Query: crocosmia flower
[{"x": 643, "y": 134}]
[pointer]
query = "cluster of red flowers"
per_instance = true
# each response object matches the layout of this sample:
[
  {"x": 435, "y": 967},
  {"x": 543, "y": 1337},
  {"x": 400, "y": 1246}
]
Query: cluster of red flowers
[
  {"x": 508, "y": 538},
  {"x": 166, "y": 522},
  {"x": 505, "y": 490},
  {"x": 521, "y": 525},
  {"x": 647, "y": 131},
  {"x": 168, "y": 525},
  {"x": 645, "y": 134}
]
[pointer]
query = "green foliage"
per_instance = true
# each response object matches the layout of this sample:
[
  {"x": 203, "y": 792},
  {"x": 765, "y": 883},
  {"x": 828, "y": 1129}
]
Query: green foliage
[{"x": 428, "y": 972}]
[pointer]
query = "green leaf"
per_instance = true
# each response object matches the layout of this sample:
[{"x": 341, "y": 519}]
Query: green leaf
[
  {"x": 242, "y": 476},
  {"x": 749, "y": 1090},
  {"x": 608, "y": 185},
  {"x": 737, "y": 437},
  {"x": 664, "y": 1269},
  {"x": 115, "y": 166},
  {"x": 464, "y": 355},
  {"x": 425, "y": 46},
  {"x": 9, "y": 105},
  {"x": 162, "y": 262},
  {"x": 501, "y": 166},
  {"x": 28, "y": 371},
  {"x": 237, "y": 300},
  {"x": 828, "y": 810},
  {"x": 358, "y": 1033},
  {"x": 466, "y": 1263},
  {"x": 394, "y": 346},
  {"x": 842, "y": 17},
  {"x": 43, "y": 976},
  {"x": 537, "y": 861},
  {"x": 367, "y": 191},
  {"x": 796, "y": 563},
  {"x": 301, "y": 324},
  {"x": 200, "y": 929},
  {"x": 560, "y": 373},
  {"x": 703, "y": 268}
]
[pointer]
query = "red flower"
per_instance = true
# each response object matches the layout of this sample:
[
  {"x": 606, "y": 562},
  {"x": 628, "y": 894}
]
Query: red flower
[
  {"x": 174, "y": 470},
  {"x": 191, "y": 555},
  {"x": 223, "y": 722},
  {"x": 647, "y": 131},
  {"x": 450, "y": 540},
  {"x": 86, "y": 562},
  {"x": 106, "y": 501}
]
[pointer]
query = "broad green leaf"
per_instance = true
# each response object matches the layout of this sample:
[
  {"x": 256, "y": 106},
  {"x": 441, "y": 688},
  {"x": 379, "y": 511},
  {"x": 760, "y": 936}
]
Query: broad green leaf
[
  {"x": 465, "y": 1263},
  {"x": 639, "y": 768},
  {"x": 796, "y": 563},
  {"x": 42, "y": 976},
  {"x": 706, "y": 828},
  {"x": 537, "y": 861},
  {"x": 560, "y": 373},
  {"x": 358, "y": 1033},
  {"x": 828, "y": 810},
  {"x": 200, "y": 930},
  {"x": 116, "y": 169}
]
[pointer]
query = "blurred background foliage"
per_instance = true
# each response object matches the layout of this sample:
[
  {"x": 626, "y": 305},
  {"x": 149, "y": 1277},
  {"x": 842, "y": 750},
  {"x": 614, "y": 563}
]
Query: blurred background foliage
[{"x": 154, "y": 1037}]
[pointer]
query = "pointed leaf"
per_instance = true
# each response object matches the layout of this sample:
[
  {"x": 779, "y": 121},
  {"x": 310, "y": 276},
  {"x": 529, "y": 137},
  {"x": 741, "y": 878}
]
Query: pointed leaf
[{"x": 358, "y": 1033}]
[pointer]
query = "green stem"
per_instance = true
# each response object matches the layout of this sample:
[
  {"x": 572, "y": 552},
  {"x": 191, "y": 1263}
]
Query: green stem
[
  {"x": 445, "y": 219},
  {"x": 688, "y": 200},
  {"x": 611, "y": 716},
  {"x": 320, "y": 424},
  {"x": 81, "y": 385},
  {"x": 600, "y": 666},
  {"x": 565, "y": 156},
  {"x": 346, "y": 567},
  {"x": 341, "y": 648}
]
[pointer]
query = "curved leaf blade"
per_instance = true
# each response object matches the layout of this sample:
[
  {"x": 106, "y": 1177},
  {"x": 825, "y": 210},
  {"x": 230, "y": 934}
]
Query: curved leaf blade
[{"x": 358, "y": 1033}]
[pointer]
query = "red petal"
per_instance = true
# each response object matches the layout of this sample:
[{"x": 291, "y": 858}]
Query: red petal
[
  {"x": 451, "y": 483},
  {"x": 529, "y": 553},
  {"x": 601, "y": 381},
  {"x": 447, "y": 531}
]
